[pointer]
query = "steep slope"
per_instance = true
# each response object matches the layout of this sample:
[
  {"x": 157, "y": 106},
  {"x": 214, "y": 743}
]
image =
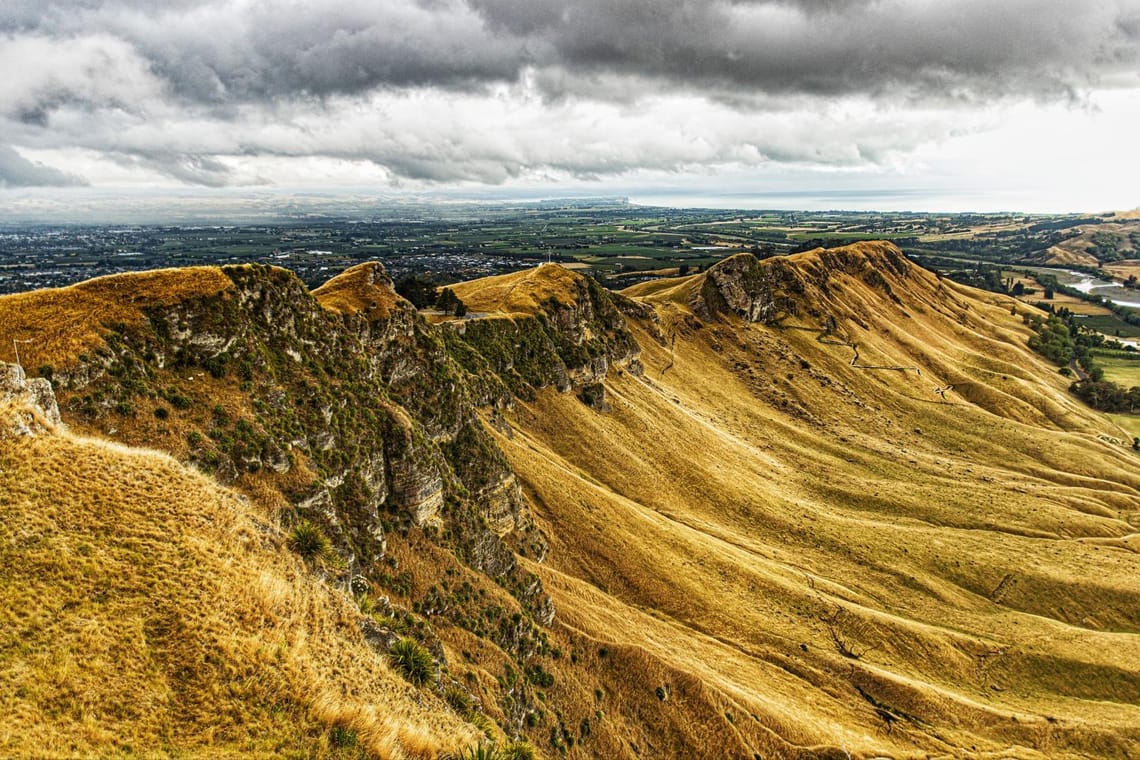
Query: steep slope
[
  {"x": 321, "y": 415},
  {"x": 146, "y": 609},
  {"x": 784, "y": 512}
]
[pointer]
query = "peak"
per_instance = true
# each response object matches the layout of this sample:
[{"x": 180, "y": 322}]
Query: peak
[
  {"x": 771, "y": 289},
  {"x": 152, "y": 286},
  {"x": 363, "y": 288},
  {"x": 525, "y": 292},
  {"x": 848, "y": 258}
]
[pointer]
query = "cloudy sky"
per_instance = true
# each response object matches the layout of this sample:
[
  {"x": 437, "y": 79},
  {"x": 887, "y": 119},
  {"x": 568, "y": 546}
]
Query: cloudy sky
[{"x": 930, "y": 104}]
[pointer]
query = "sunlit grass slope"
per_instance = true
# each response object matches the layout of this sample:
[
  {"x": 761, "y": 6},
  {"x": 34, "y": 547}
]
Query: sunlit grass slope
[
  {"x": 55, "y": 325},
  {"x": 355, "y": 290},
  {"x": 838, "y": 555},
  {"x": 147, "y": 611},
  {"x": 523, "y": 292}
]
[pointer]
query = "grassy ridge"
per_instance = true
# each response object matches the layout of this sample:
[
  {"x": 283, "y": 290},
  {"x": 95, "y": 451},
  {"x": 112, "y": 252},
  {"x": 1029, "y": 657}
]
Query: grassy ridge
[
  {"x": 838, "y": 555},
  {"x": 178, "y": 624}
]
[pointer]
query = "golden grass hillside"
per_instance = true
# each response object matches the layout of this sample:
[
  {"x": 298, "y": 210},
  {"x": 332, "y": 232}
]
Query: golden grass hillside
[
  {"x": 148, "y": 612},
  {"x": 840, "y": 558},
  {"x": 523, "y": 292},
  {"x": 362, "y": 288},
  {"x": 1077, "y": 249},
  {"x": 862, "y": 521},
  {"x": 55, "y": 325}
]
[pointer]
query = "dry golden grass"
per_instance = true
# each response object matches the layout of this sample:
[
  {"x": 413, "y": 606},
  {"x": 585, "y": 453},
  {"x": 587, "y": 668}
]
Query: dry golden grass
[
  {"x": 756, "y": 504},
  {"x": 1073, "y": 304},
  {"x": 59, "y": 324},
  {"x": 1075, "y": 250},
  {"x": 523, "y": 292},
  {"x": 362, "y": 288},
  {"x": 1129, "y": 423},
  {"x": 834, "y": 556},
  {"x": 1069, "y": 254},
  {"x": 1124, "y": 269},
  {"x": 145, "y": 610}
]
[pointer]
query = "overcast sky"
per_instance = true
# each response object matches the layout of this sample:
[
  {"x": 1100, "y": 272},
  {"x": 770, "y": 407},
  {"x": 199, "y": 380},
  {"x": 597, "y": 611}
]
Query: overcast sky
[{"x": 926, "y": 104}]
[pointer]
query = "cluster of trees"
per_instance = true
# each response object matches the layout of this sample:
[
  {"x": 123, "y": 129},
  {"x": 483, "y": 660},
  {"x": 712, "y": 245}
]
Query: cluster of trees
[
  {"x": 449, "y": 303},
  {"x": 1104, "y": 247},
  {"x": 1107, "y": 396},
  {"x": 424, "y": 294},
  {"x": 1054, "y": 340},
  {"x": 419, "y": 290},
  {"x": 1060, "y": 339}
]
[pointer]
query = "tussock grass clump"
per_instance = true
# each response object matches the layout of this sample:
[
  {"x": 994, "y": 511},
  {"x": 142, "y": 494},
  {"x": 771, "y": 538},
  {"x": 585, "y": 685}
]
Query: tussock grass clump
[
  {"x": 459, "y": 700},
  {"x": 511, "y": 751},
  {"x": 410, "y": 658},
  {"x": 308, "y": 540},
  {"x": 519, "y": 751}
]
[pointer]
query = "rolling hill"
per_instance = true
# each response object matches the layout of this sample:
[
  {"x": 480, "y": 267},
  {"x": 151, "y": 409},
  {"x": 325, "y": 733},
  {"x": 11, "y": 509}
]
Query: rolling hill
[
  {"x": 826, "y": 505},
  {"x": 1115, "y": 238}
]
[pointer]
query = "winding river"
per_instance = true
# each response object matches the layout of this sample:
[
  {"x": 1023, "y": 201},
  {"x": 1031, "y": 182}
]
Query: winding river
[{"x": 1110, "y": 291}]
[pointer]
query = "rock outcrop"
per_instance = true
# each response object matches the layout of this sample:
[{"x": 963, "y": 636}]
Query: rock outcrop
[
  {"x": 770, "y": 290},
  {"x": 348, "y": 404},
  {"x": 563, "y": 330},
  {"x": 35, "y": 394}
]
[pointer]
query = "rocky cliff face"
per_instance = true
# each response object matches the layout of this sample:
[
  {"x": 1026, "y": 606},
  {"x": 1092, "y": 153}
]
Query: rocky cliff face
[
  {"x": 572, "y": 340},
  {"x": 770, "y": 290},
  {"x": 343, "y": 407},
  {"x": 36, "y": 392},
  {"x": 33, "y": 396},
  {"x": 357, "y": 419}
]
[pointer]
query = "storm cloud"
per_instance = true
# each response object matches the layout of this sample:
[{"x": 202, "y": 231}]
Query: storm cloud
[{"x": 489, "y": 90}]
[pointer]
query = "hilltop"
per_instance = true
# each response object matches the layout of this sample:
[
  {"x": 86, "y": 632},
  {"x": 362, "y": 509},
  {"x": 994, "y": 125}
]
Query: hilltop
[
  {"x": 781, "y": 518},
  {"x": 808, "y": 506}
]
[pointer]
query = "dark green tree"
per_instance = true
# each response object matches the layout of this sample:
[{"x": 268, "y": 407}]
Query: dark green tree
[{"x": 420, "y": 291}]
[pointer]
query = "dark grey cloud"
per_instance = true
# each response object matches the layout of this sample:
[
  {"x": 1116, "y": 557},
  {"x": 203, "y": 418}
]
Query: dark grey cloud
[
  {"x": 189, "y": 168},
  {"x": 222, "y": 51},
  {"x": 17, "y": 171},
  {"x": 187, "y": 88}
]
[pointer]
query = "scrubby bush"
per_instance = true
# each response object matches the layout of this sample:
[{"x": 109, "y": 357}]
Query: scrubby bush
[
  {"x": 410, "y": 658},
  {"x": 512, "y": 751},
  {"x": 309, "y": 541}
]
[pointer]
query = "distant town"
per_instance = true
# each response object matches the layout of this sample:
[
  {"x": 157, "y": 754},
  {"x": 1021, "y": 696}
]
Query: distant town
[{"x": 618, "y": 242}]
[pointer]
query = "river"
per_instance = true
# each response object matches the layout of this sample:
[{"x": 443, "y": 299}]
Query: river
[{"x": 1110, "y": 291}]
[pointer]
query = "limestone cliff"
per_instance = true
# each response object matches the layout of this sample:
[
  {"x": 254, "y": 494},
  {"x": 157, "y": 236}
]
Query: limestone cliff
[
  {"x": 347, "y": 413},
  {"x": 769, "y": 290},
  {"x": 35, "y": 392}
]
